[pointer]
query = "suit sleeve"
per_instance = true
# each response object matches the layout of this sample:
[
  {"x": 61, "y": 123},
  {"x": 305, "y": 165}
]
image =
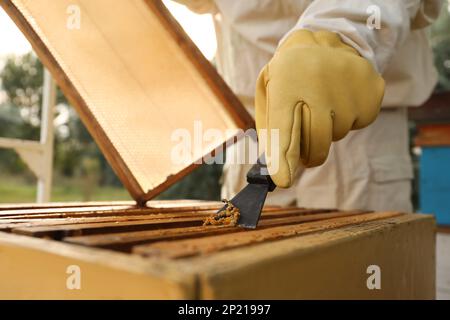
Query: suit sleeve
[{"x": 357, "y": 21}]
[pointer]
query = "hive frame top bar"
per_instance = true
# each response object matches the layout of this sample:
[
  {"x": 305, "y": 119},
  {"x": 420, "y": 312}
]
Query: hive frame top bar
[{"x": 135, "y": 78}]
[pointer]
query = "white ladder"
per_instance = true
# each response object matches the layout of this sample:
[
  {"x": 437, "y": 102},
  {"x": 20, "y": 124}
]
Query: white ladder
[{"x": 38, "y": 155}]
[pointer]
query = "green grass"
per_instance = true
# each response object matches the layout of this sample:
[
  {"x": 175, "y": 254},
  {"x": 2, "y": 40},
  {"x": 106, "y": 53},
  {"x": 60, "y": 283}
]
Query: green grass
[
  {"x": 201, "y": 184},
  {"x": 15, "y": 189}
]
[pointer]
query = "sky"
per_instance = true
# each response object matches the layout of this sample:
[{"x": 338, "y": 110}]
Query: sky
[
  {"x": 199, "y": 27},
  {"x": 11, "y": 39}
]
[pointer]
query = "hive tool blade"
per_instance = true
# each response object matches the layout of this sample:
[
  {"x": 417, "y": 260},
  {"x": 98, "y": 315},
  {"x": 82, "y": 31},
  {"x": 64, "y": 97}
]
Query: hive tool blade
[{"x": 250, "y": 200}]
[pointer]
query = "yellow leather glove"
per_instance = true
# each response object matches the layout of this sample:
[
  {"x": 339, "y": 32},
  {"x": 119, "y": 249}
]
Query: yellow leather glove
[{"x": 315, "y": 90}]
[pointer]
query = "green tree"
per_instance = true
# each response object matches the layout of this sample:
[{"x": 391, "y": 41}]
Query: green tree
[{"x": 440, "y": 41}]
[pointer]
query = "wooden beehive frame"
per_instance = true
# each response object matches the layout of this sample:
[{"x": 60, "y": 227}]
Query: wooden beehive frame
[
  {"x": 162, "y": 251},
  {"x": 147, "y": 231},
  {"x": 137, "y": 178}
]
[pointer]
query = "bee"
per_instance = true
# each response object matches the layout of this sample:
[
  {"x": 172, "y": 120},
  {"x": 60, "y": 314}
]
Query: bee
[{"x": 227, "y": 217}]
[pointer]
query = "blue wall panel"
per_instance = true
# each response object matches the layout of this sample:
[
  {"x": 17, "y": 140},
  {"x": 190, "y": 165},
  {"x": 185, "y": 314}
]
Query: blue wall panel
[{"x": 435, "y": 183}]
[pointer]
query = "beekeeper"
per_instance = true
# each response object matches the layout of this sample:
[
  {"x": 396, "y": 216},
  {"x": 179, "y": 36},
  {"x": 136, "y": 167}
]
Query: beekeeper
[{"x": 320, "y": 69}]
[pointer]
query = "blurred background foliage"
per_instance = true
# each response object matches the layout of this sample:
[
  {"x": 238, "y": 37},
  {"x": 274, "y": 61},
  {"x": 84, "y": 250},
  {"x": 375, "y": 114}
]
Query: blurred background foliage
[
  {"x": 81, "y": 173},
  {"x": 440, "y": 42}
]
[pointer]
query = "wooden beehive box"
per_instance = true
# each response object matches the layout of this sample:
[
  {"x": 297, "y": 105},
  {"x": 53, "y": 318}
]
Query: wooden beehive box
[
  {"x": 128, "y": 69},
  {"x": 163, "y": 252}
]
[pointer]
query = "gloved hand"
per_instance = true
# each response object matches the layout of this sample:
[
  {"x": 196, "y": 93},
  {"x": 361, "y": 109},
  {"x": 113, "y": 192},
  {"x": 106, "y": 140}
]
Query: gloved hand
[{"x": 315, "y": 90}]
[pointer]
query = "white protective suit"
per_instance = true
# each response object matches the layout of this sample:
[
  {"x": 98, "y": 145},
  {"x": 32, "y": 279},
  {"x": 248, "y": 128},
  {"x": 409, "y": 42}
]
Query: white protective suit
[{"x": 370, "y": 168}]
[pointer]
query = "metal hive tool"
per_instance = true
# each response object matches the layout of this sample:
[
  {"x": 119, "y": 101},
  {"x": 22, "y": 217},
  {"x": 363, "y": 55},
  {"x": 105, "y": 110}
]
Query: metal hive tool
[{"x": 250, "y": 200}]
